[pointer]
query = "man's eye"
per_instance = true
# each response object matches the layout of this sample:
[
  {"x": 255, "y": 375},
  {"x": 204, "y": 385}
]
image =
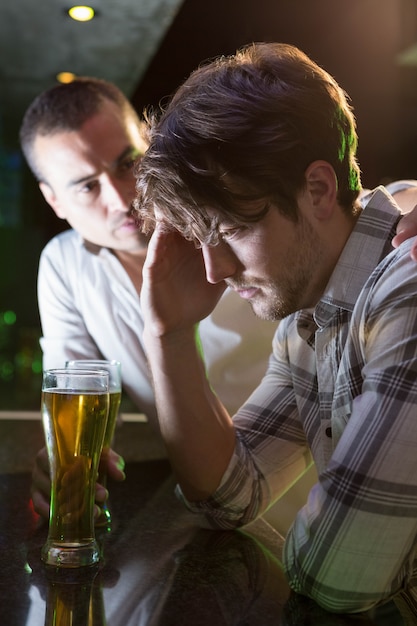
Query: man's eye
[
  {"x": 228, "y": 233},
  {"x": 89, "y": 187},
  {"x": 127, "y": 165}
]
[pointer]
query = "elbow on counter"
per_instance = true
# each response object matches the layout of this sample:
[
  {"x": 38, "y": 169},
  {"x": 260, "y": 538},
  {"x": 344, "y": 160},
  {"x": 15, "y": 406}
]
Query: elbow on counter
[{"x": 219, "y": 515}]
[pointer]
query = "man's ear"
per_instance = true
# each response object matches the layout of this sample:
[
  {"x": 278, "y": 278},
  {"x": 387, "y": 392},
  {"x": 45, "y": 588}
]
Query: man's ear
[
  {"x": 321, "y": 185},
  {"x": 51, "y": 199}
]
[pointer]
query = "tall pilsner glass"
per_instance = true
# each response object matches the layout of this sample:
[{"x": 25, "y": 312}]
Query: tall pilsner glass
[
  {"x": 115, "y": 388},
  {"x": 75, "y": 406}
]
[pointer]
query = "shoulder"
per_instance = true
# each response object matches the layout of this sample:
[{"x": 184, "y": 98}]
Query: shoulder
[
  {"x": 401, "y": 185},
  {"x": 65, "y": 241},
  {"x": 392, "y": 286},
  {"x": 63, "y": 254}
]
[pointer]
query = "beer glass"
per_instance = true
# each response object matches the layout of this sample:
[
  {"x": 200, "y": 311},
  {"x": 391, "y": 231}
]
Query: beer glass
[
  {"x": 75, "y": 406},
  {"x": 72, "y": 598},
  {"x": 115, "y": 388}
]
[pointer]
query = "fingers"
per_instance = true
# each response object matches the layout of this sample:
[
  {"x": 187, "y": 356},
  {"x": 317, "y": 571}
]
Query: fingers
[
  {"x": 157, "y": 247},
  {"x": 41, "y": 484},
  {"x": 70, "y": 494},
  {"x": 112, "y": 465},
  {"x": 115, "y": 466},
  {"x": 101, "y": 494},
  {"x": 71, "y": 489},
  {"x": 401, "y": 236},
  {"x": 42, "y": 460},
  {"x": 40, "y": 504},
  {"x": 404, "y": 234},
  {"x": 407, "y": 228}
]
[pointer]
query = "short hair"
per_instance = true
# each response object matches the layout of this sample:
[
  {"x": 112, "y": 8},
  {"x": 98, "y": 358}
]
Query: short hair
[
  {"x": 244, "y": 128},
  {"x": 66, "y": 107}
]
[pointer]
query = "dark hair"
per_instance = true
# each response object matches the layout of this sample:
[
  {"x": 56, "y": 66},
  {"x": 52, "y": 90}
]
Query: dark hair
[
  {"x": 245, "y": 128},
  {"x": 66, "y": 107}
]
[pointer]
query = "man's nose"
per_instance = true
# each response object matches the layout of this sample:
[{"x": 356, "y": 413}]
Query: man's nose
[
  {"x": 118, "y": 194},
  {"x": 220, "y": 262}
]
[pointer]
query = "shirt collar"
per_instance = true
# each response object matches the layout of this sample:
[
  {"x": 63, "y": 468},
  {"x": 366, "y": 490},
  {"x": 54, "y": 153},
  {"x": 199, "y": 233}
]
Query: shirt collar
[
  {"x": 92, "y": 248},
  {"x": 368, "y": 244}
]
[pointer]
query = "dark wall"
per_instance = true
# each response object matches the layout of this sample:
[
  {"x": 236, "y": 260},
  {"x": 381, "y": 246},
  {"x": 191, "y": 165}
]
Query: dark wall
[{"x": 355, "y": 40}]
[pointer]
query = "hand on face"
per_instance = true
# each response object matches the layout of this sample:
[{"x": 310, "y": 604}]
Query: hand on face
[{"x": 175, "y": 293}]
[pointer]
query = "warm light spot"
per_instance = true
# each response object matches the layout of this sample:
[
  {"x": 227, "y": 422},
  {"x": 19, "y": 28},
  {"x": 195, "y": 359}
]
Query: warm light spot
[
  {"x": 65, "y": 77},
  {"x": 81, "y": 13}
]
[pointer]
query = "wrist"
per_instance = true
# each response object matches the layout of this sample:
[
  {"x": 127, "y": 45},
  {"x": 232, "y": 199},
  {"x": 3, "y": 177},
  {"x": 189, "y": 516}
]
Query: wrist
[{"x": 171, "y": 349}]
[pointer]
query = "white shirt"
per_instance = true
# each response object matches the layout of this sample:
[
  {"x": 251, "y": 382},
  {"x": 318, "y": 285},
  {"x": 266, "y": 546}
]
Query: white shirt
[{"x": 89, "y": 308}]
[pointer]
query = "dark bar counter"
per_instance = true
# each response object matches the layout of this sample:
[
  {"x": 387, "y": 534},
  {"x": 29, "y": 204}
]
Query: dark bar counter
[{"x": 158, "y": 567}]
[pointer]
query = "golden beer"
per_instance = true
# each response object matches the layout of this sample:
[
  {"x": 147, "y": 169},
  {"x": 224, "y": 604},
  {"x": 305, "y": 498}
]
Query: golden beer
[
  {"x": 113, "y": 368},
  {"x": 69, "y": 604},
  {"x": 114, "y": 404},
  {"x": 74, "y": 424},
  {"x": 115, "y": 397}
]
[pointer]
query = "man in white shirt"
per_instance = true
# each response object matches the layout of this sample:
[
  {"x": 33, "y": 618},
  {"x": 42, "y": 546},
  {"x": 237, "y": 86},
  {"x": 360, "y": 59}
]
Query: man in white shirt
[{"x": 81, "y": 141}]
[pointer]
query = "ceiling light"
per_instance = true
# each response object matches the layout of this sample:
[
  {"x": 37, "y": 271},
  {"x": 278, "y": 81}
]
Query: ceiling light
[
  {"x": 81, "y": 13},
  {"x": 65, "y": 77}
]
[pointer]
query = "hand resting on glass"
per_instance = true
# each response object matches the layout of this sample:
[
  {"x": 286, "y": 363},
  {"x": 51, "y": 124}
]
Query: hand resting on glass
[{"x": 41, "y": 481}]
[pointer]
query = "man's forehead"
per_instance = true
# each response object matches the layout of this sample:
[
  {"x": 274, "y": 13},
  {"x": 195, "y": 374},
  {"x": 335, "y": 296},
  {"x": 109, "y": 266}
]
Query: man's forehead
[{"x": 129, "y": 122}]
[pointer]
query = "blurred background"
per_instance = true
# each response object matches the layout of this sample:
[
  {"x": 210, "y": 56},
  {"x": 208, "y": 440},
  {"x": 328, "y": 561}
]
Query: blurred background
[{"x": 148, "y": 47}]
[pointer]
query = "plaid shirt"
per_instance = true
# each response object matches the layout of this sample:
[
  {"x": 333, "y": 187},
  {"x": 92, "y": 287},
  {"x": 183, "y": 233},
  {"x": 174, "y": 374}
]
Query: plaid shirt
[{"x": 341, "y": 386}]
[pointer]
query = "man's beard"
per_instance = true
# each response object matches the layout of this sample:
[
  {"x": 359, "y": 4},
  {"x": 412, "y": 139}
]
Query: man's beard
[
  {"x": 286, "y": 294},
  {"x": 272, "y": 307}
]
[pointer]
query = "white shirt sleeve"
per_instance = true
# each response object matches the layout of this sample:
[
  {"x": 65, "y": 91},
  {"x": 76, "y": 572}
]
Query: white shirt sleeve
[{"x": 64, "y": 334}]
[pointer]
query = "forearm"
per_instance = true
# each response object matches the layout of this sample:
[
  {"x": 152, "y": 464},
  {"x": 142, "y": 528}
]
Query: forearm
[{"x": 196, "y": 428}]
